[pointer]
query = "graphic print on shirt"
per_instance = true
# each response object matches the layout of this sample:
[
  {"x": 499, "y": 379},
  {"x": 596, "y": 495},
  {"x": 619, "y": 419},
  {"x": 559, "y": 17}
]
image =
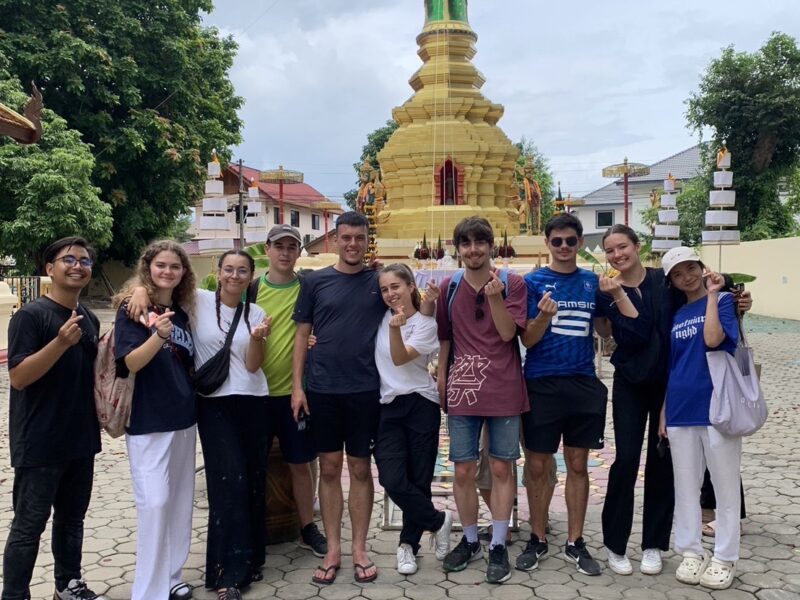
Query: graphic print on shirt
[
  {"x": 466, "y": 377},
  {"x": 687, "y": 328}
]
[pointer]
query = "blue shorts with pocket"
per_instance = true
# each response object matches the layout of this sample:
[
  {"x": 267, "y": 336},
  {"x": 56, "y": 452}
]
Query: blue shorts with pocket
[{"x": 465, "y": 433}]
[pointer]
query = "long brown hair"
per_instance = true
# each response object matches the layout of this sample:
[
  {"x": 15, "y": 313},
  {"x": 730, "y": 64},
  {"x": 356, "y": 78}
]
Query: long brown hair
[
  {"x": 405, "y": 273},
  {"x": 182, "y": 295}
]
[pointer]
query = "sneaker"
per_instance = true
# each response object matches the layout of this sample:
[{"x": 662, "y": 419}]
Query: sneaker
[
  {"x": 406, "y": 561},
  {"x": 230, "y": 593},
  {"x": 462, "y": 555},
  {"x": 619, "y": 563},
  {"x": 181, "y": 591},
  {"x": 718, "y": 575},
  {"x": 313, "y": 540},
  {"x": 651, "y": 562},
  {"x": 440, "y": 540},
  {"x": 578, "y": 553},
  {"x": 534, "y": 550},
  {"x": 498, "y": 570},
  {"x": 76, "y": 590},
  {"x": 692, "y": 568}
]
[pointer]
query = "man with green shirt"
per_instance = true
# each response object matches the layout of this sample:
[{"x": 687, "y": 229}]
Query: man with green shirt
[{"x": 277, "y": 292}]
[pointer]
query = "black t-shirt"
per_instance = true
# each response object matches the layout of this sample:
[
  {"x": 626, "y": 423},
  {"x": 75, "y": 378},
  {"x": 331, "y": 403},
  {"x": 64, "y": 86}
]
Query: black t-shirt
[
  {"x": 345, "y": 311},
  {"x": 53, "y": 420},
  {"x": 163, "y": 399}
]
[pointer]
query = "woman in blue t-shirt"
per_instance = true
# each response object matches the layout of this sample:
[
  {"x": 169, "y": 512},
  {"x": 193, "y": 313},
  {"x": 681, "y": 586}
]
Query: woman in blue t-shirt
[
  {"x": 161, "y": 434},
  {"x": 706, "y": 322}
]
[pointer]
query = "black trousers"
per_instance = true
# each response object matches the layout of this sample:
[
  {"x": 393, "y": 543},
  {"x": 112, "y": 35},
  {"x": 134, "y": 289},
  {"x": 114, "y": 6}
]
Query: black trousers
[
  {"x": 632, "y": 406},
  {"x": 405, "y": 453},
  {"x": 233, "y": 434},
  {"x": 709, "y": 500},
  {"x": 66, "y": 490}
]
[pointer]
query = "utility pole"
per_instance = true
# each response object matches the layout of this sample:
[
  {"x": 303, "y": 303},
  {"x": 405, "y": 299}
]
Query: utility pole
[{"x": 241, "y": 207}]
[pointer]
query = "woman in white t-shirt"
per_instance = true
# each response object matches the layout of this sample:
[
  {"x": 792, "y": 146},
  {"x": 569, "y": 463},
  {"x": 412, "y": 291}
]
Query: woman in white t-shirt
[{"x": 408, "y": 435}]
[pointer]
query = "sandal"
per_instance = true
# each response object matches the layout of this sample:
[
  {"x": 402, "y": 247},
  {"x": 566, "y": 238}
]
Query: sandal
[
  {"x": 691, "y": 568},
  {"x": 360, "y": 570},
  {"x": 718, "y": 574},
  {"x": 710, "y": 529},
  {"x": 326, "y": 578}
]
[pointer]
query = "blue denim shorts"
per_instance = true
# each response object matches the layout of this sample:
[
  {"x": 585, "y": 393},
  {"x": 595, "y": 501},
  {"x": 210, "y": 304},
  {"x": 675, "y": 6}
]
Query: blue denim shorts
[{"x": 465, "y": 432}]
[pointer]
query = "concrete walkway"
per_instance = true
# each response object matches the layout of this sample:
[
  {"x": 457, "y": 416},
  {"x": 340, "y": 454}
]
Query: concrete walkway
[{"x": 769, "y": 568}]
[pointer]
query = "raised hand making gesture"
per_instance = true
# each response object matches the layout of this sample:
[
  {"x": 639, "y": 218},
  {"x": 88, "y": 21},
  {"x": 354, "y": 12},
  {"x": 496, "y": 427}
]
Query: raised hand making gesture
[
  {"x": 495, "y": 287},
  {"x": 398, "y": 318},
  {"x": 547, "y": 306},
  {"x": 163, "y": 325},
  {"x": 70, "y": 332},
  {"x": 261, "y": 331}
]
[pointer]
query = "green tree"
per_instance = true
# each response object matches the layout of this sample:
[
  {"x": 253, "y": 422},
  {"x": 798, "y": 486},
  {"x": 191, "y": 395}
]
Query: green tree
[
  {"x": 146, "y": 85},
  {"x": 46, "y": 190},
  {"x": 752, "y": 101},
  {"x": 375, "y": 143},
  {"x": 543, "y": 175}
]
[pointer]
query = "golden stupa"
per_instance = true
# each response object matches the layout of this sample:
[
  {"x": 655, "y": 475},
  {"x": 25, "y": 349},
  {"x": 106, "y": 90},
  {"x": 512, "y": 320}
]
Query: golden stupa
[{"x": 447, "y": 159}]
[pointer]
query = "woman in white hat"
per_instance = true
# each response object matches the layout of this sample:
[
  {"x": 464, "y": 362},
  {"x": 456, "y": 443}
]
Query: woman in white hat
[{"x": 706, "y": 322}]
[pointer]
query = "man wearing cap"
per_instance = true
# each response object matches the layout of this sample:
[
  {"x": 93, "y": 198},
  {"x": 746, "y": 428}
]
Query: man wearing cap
[{"x": 276, "y": 293}]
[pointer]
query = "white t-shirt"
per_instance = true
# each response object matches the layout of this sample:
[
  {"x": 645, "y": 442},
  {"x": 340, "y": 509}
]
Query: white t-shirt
[
  {"x": 420, "y": 333},
  {"x": 208, "y": 339}
]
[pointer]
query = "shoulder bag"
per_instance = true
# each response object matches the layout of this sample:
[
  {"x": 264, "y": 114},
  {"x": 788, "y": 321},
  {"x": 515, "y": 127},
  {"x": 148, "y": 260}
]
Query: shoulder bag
[{"x": 213, "y": 373}]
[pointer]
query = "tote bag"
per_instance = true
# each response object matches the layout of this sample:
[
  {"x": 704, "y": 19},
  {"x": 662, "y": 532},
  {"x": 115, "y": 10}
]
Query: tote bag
[{"x": 737, "y": 407}]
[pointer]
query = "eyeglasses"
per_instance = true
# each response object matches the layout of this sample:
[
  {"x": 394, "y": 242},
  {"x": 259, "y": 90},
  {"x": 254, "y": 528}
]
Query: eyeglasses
[
  {"x": 571, "y": 241},
  {"x": 230, "y": 272},
  {"x": 479, "y": 300},
  {"x": 70, "y": 261}
]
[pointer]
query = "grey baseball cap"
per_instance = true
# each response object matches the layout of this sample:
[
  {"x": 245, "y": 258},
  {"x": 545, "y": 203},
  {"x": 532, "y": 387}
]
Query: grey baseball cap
[{"x": 278, "y": 232}]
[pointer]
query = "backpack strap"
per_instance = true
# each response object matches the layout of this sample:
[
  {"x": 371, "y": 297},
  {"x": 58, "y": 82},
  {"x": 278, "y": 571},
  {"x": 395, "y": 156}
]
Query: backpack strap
[
  {"x": 252, "y": 289},
  {"x": 455, "y": 281}
]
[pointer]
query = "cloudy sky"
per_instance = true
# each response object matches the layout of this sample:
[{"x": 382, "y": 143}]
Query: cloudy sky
[{"x": 589, "y": 82}]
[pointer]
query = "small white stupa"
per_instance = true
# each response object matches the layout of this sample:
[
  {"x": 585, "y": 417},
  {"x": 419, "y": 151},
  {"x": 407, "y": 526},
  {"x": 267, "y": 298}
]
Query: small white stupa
[
  {"x": 722, "y": 220},
  {"x": 667, "y": 233}
]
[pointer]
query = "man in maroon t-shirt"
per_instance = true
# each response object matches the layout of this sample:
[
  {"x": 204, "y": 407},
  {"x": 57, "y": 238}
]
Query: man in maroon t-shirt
[{"x": 481, "y": 382}]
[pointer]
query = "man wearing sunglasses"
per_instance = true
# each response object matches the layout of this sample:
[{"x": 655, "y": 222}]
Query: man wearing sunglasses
[
  {"x": 53, "y": 426},
  {"x": 482, "y": 382},
  {"x": 567, "y": 399}
]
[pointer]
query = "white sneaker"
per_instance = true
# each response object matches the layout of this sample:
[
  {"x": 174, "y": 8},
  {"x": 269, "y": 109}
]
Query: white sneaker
[
  {"x": 651, "y": 562},
  {"x": 619, "y": 563},
  {"x": 440, "y": 540},
  {"x": 718, "y": 575},
  {"x": 406, "y": 561},
  {"x": 692, "y": 567}
]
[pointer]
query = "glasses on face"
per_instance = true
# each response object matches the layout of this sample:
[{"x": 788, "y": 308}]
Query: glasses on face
[
  {"x": 230, "y": 272},
  {"x": 479, "y": 300},
  {"x": 70, "y": 261},
  {"x": 571, "y": 241}
]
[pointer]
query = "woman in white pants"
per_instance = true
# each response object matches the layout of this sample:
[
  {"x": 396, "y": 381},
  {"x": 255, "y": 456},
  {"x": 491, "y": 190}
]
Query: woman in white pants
[
  {"x": 706, "y": 322},
  {"x": 161, "y": 435}
]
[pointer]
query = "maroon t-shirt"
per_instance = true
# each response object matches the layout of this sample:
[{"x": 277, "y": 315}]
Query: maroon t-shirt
[{"x": 485, "y": 379}]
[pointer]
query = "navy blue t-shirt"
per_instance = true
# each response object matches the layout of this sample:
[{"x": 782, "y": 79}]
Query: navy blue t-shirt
[
  {"x": 567, "y": 347},
  {"x": 345, "y": 311},
  {"x": 689, "y": 388},
  {"x": 163, "y": 399}
]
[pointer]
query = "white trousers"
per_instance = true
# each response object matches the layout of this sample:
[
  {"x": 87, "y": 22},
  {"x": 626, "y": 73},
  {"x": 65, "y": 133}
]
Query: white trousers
[
  {"x": 694, "y": 448},
  {"x": 162, "y": 471}
]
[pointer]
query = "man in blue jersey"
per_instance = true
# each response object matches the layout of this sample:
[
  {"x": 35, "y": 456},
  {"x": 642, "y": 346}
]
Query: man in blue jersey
[{"x": 567, "y": 399}]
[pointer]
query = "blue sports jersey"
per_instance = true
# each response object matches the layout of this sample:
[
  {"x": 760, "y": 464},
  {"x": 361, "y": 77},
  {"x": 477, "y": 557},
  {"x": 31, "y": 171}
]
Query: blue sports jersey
[
  {"x": 689, "y": 388},
  {"x": 567, "y": 347}
]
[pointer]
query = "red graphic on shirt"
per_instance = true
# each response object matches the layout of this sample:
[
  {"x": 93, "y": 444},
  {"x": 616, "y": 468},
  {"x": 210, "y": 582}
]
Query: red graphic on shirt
[{"x": 466, "y": 378}]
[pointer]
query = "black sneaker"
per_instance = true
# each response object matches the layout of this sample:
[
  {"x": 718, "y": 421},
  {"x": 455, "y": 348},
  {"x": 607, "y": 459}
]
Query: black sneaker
[
  {"x": 76, "y": 590},
  {"x": 314, "y": 540},
  {"x": 462, "y": 555},
  {"x": 578, "y": 553},
  {"x": 498, "y": 570},
  {"x": 180, "y": 591},
  {"x": 534, "y": 550}
]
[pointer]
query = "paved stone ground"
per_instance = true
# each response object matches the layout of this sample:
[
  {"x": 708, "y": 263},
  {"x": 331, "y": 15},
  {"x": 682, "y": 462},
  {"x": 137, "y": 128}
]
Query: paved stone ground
[{"x": 769, "y": 568}]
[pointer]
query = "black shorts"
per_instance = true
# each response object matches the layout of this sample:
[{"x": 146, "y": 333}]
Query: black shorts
[
  {"x": 297, "y": 447},
  {"x": 348, "y": 421},
  {"x": 570, "y": 406}
]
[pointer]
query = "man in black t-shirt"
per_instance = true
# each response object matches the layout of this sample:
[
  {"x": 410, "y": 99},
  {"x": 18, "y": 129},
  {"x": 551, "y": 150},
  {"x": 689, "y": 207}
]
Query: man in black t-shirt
[
  {"x": 344, "y": 306},
  {"x": 53, "y": 426}
]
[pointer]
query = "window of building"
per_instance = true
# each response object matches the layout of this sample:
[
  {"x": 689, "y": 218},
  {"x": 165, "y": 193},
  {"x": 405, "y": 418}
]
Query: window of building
[
  {"x": 604, "y": 219},
  {"x": 276, "y": 215},
  {"x": 295, "y": 216},
  {"x": 315, "y": 222},
  {"x": 307, "y": 239},
  {"x": 448, "y": 180}
]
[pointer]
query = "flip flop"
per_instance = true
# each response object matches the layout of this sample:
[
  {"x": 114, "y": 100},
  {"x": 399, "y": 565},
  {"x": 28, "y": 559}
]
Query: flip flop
[
  {"x": 359, "y": 570},
  {"x": 327, "y": 578},
  {"x": 710, "y": 529}
]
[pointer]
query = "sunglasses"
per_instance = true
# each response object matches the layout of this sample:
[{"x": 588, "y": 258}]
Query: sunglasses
[
  {"x": 571, "y": 241},
  {"x": 479, "y": 300}
]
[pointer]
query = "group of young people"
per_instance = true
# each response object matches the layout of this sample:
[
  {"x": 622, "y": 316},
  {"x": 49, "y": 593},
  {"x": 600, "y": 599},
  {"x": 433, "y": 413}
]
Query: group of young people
[{"x": 336, "y": 363}]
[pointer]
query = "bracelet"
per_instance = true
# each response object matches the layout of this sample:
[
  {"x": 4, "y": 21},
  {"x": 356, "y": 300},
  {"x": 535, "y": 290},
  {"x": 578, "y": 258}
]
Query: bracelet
[
  {"x": 161, "y": 336},
  {"x": 620, "y": 300}
]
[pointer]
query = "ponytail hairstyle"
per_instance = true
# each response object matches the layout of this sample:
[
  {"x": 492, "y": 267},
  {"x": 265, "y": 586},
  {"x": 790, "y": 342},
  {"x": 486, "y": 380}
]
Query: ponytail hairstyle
[
  {"x": 182, "y": 295},
  {"x": 404, "y": 272},
  {"x": 218, "y": 300}
]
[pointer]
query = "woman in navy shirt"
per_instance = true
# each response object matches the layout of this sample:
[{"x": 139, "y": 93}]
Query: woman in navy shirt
[{"x": 706, "y": 322}]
